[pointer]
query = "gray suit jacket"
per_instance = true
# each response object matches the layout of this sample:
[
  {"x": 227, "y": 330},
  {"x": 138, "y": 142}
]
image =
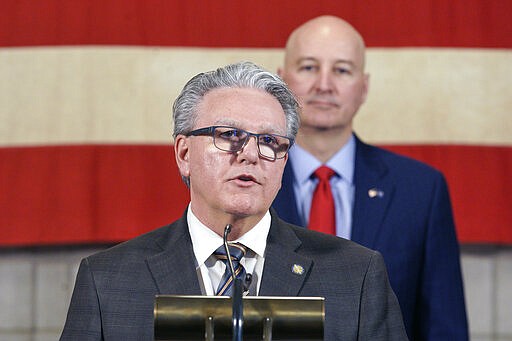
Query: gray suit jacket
[{"x": 114, "y": 291}]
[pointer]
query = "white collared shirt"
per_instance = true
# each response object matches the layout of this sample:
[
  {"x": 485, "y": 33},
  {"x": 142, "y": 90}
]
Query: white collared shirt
[{"x": 209, "y": 269}]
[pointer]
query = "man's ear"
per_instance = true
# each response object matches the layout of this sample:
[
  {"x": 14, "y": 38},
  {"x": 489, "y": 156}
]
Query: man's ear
[
  {"x": 181, "y": 153},
  {"x": 366, "y": 87}
]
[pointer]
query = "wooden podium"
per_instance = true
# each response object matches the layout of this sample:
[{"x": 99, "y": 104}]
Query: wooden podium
[{"x": 263, "y": 318}]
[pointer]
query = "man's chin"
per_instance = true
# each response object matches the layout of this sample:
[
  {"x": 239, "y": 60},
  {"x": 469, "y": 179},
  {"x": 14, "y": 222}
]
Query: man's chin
[
  {"x": 322, "y": 120},
  {"x": 319, "y": 125},
  {"x": 243, "y": 209}
]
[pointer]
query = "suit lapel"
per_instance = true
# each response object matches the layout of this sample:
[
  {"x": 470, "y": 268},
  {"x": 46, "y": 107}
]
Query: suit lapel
[
  {"x": 173, "y": 269},
  {"x": 285, "y": 270},
  {"x": 374, "y": 192},
  {"x": 285, "y": 202}
]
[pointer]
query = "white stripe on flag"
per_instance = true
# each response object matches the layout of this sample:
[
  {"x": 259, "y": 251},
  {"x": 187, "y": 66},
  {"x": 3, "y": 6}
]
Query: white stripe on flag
[{"x": 63, "y": 95}]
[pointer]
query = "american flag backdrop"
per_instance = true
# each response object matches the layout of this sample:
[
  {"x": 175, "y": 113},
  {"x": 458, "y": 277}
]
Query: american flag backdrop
[{"x": 86, "y": 89}]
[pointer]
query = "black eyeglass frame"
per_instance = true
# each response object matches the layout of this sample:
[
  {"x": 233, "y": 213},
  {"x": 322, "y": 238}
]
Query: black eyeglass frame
[{"x": 210, "y": 131}]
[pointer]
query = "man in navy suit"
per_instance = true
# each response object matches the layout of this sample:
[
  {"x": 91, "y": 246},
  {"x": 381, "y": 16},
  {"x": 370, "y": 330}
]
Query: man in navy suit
[
  {"x": 383, "y": 201},
  {"x": 232, "y": 131}
]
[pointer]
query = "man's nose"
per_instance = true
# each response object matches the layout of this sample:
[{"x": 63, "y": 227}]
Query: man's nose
[
  {"x": 250, "y": 150},
  {"x": 324, "y": 81}
]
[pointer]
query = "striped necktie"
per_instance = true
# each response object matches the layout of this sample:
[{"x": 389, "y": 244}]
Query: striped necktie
[{"x": 237, "y": 251}]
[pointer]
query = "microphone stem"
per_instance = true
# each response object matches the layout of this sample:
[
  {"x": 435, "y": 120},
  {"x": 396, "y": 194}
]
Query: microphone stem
[
  {"x": 237, "y": 305},
  {"x": 227, "y": 229}
]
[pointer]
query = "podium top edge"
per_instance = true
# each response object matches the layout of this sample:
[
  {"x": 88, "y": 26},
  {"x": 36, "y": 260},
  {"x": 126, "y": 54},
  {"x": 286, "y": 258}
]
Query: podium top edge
[{"x": 286, "y": 298}]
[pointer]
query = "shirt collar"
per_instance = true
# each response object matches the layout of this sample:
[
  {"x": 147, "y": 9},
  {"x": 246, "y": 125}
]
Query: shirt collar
[
  {"x": 304, "y": 164},
  {"x": 205, "y": 241}
]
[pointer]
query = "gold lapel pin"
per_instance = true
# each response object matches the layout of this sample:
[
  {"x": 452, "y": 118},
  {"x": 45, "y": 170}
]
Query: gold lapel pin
[
  {"x": 375, "y": 192},
  {"x": 297, "y": 269}
]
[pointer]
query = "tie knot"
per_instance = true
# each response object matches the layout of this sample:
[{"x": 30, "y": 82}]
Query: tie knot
[
  {"x": 236, "y": 250},
  {"x": 324, "y": 173}
]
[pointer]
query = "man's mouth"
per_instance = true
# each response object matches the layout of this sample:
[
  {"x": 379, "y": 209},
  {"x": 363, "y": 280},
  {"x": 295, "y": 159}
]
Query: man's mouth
[
  {"x": 246, "y": 178},
  {"x": 323, "y": 104}
]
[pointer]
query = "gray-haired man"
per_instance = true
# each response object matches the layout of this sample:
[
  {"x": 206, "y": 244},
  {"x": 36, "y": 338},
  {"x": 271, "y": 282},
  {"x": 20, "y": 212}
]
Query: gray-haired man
[{"x": 233, "y": 128}]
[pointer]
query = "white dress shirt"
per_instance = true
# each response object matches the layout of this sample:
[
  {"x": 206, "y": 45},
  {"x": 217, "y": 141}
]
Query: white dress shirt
[
  {"x": 210, "y": 269},
  {"x": 342, "y": 183}
]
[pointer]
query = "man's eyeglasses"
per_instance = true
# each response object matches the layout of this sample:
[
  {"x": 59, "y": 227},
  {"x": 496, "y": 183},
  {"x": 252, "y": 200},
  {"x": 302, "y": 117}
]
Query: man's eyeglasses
[{"x": 230, "y": 139}]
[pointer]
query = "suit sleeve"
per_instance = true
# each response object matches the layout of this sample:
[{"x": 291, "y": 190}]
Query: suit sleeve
[
  {"x": 380, "y": 316},
  {"x": 442, "y": 309},
  {"x": 84, "y": 319}
]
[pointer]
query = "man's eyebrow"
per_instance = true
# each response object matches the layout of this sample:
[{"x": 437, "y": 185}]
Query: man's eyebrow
[
  {"x": 225, "y": 122},
  {"x": 307, "y": 59},
  {"x": 268, "y": 129},
  {"x": 262, "y": 129},
  {"x": 344, "y": 61},
  {"x": 313, "y": 59}
]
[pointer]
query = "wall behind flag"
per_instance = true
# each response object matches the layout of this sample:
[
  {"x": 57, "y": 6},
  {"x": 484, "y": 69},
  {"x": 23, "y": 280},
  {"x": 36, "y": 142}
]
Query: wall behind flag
[{"x": 87, "y": 86}]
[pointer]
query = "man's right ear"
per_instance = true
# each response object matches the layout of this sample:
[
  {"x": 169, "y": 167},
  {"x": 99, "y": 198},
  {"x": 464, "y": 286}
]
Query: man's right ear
[{"x": 181, "y": 153}]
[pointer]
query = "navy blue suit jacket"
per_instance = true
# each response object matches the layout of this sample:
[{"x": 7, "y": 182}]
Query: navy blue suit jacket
[
  {"x": 411, "y": 224},
  {"x": 115, "y": 289}
]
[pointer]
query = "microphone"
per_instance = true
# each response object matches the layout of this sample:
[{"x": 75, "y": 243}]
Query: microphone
[
  {"x": 237, "y": 306},
  {"x": 227, "y": 230}
]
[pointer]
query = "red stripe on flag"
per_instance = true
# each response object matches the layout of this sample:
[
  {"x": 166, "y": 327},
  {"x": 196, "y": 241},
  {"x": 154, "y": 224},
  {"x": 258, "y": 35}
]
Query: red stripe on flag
[
  {"x": 84, "y": 194},
  {"x": 107, "y": 193},
  {"x": 470, "y": 23}
]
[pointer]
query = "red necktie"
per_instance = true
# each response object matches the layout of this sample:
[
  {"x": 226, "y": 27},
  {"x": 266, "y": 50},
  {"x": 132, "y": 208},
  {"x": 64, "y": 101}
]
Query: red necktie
[{"x": 321, "y": 216}]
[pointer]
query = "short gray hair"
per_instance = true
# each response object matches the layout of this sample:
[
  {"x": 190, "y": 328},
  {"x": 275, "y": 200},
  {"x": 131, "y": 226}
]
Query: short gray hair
[{"x": 238, "y": 75}]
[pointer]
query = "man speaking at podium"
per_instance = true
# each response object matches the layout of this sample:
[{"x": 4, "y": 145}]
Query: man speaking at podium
[{"x": 232, "y": 131}]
